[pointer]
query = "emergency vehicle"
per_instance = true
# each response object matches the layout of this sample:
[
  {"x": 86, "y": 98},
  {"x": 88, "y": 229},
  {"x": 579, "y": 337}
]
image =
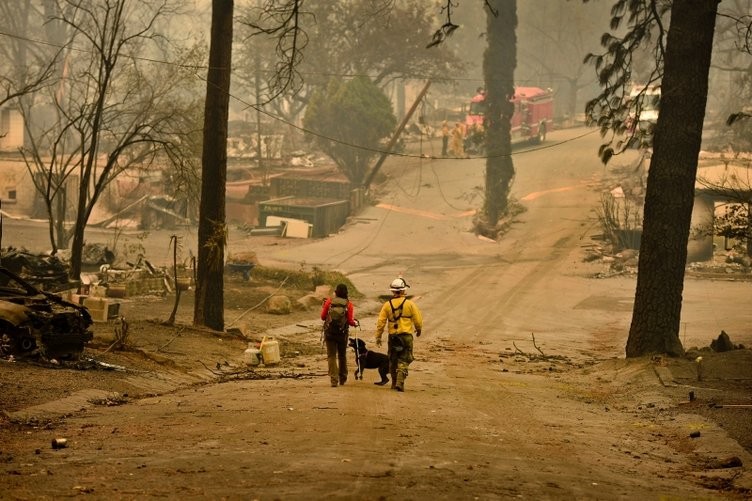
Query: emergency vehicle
[
  {"x": 532, "y": 119},
  {"x": 644, "y": 103}
]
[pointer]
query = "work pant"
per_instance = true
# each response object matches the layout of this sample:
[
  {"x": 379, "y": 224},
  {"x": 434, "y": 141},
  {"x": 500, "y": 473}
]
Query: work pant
[
  {"x": 336, "y": 355},
  {"x": 400, "y": 356}
]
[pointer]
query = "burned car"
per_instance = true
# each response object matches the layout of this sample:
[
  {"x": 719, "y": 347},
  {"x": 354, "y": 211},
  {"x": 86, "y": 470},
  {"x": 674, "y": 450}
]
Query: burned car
[
  {"x": 37, "y": 322},
  {"x": 44, "y": 271}
]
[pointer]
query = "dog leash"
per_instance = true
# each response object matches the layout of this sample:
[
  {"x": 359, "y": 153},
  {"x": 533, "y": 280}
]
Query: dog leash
[{"x": 357, "y": 355}]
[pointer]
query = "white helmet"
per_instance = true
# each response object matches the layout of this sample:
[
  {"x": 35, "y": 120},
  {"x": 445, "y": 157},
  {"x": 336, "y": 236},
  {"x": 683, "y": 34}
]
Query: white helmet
[{"x": 398, "y": 285}]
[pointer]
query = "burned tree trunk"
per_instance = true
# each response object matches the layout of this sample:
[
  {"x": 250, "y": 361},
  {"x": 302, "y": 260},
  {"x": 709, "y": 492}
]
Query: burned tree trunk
[
  {"x": 671, "y": 180},
  {"x": 209, "y": 303},
  {"x": 499, "y": 63}
]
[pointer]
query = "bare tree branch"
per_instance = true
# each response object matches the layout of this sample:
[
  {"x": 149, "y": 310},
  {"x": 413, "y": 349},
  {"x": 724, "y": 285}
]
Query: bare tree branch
[
  {"x": 283, "y": 21},
  {"x": 446, "y": 29}
]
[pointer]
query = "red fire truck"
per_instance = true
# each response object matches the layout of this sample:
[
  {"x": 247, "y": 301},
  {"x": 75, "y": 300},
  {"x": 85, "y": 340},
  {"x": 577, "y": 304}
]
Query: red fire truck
[{"x": 532, "y": 119}]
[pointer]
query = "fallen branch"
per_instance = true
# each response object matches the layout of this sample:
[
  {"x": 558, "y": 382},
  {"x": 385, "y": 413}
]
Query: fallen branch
[
  {"x": 210, "y": 370},
  {"x": 534, "y": 357},
  {"x": 254, "y": 375},
  {"x": 535, "y": 345},
  {"x": 110, "y": 347},
  {"x": 104, "y": 365},
  {"x": 180, "y": 333}
]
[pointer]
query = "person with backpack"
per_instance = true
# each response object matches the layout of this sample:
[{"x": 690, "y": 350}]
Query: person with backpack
[
  {"x": 402, "y": 317},
  {"x": 338, "y": 315}
]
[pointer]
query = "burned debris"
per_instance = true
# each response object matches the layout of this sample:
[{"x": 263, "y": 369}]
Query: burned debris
[
  {"x": 45, "y": 315},
  {"x": 33, "y": 321},
  {"x": 44, "y": 271}
]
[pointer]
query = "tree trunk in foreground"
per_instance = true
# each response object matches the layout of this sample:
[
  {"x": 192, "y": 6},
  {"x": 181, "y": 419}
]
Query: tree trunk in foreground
[
  {"x": 209, "y": 304},
  {"x": 671, "y": 180},
  {"x": 499, "y": 63}
]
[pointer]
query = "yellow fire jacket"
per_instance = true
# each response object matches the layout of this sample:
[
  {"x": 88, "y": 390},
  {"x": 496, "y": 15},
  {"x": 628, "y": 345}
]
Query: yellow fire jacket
[{"x": 399, "y": 315}]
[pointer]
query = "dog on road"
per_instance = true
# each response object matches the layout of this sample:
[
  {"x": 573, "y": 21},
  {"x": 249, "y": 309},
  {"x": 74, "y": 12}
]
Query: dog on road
[{"x": 367, "y": 359}]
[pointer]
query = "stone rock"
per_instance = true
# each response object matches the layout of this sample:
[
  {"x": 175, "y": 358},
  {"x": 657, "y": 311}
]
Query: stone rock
[
  {"x": 627, "y": 254},
  {"x": 279, "y": 305},
  {"x": 310, "y": 302}
]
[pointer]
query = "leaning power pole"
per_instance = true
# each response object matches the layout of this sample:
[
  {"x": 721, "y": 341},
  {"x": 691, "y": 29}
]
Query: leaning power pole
[{"x": 393, "y": 141}]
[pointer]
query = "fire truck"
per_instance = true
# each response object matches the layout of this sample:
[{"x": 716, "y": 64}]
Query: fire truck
[
  {"x": 644, "y": 103},
  {"x": 532, "y": 119}
]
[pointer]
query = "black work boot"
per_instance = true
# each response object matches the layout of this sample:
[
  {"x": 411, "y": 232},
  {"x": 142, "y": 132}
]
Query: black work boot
[{"x": 400, "y": 386}]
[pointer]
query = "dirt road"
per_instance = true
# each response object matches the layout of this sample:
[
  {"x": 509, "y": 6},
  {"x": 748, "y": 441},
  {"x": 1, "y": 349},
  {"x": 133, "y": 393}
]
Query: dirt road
[{"x": 519, "y": 389}]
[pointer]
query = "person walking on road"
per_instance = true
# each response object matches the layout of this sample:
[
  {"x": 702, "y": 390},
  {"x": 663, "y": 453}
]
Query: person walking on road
[
  {"x": 338, "y": 315},
  {"x": 445, "y": 133},
  {"x": 402, "y": 317}
]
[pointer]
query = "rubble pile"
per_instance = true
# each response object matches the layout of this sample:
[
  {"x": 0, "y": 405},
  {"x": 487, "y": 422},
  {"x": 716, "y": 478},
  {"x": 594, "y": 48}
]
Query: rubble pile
[
  {"x": 45, "y": 272},
  {"x": 725, "y": 263},
  {"x": 137, "y": 281}
]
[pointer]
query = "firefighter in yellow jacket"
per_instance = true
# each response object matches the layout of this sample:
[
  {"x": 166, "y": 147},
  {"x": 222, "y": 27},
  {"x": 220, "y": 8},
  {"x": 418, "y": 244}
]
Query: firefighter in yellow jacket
[{"x": 402, "y": 317}]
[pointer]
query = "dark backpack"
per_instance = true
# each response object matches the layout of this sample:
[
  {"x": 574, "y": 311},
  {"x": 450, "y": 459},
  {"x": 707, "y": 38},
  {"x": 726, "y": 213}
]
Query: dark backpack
[{"x": 336, "y": 325}]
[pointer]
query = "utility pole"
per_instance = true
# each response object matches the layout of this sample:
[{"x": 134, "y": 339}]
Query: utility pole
[
  {"x": 263, "y": 166},
  {"x": 396, "y": 135},
  {"x": 257, "y": 80}
]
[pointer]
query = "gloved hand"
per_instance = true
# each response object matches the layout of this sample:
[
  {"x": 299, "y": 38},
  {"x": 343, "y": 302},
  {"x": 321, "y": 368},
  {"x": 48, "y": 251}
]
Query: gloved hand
[{"x": 417, "y": 332}]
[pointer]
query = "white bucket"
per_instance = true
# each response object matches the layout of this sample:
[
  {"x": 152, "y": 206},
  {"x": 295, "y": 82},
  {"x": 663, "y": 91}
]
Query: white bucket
[
  {"x": 252, "y": 356},
  {"x": 270, "y": 351}
]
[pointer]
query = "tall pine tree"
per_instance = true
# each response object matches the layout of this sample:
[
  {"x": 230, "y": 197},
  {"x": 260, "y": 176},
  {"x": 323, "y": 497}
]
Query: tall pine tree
[
  {"x": 671, "y": 180},
  {"x": 212, "y": 231},
  {"x": 499, "y": 63}
]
